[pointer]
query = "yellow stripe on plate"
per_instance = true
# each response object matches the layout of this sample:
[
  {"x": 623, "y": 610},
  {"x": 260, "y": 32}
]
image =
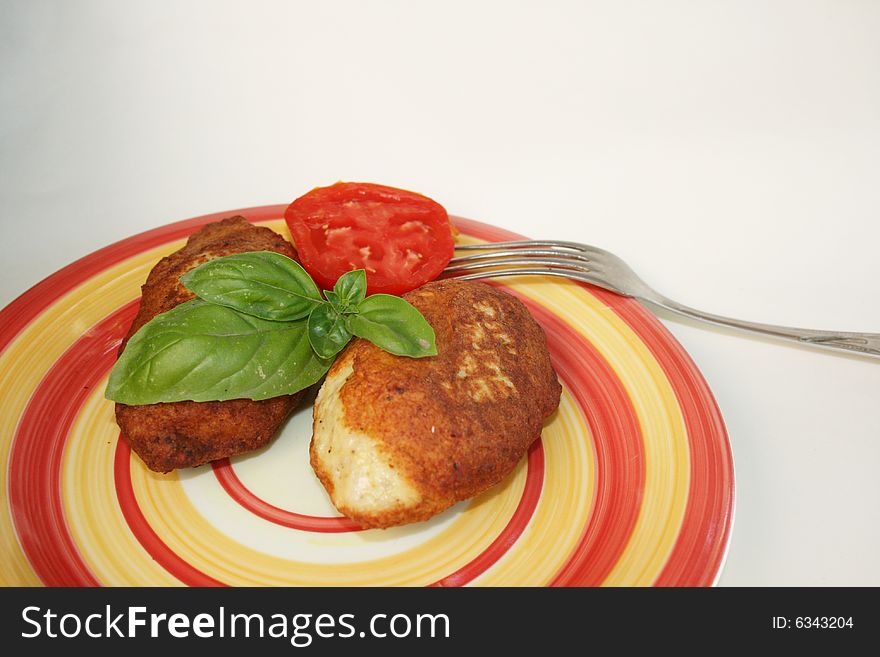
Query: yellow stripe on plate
[
  {"x": 172, "y": 516},
  {"x": 563, "y": 509},
  {"x": 665, "y": 441},
  {"x": 93, "y": 516},
  {"x": 31, "y": 355}
]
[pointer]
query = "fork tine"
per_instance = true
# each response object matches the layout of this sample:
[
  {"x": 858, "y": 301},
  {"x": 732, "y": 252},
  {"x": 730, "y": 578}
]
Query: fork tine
[
  {"x": 521, "y": 244},
  {"x": 550, "y": 263},
  {"x": 571, "y": 274},
  {"x": 519, "y": 253},
  {"x": 562, "y": 248},
  {"x": 530, "y": 257}
]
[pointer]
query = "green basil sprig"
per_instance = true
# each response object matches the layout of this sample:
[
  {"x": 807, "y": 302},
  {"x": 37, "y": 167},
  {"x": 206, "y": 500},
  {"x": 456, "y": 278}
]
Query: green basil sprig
[
  {"x": 259, "y": 329},
  {"x": 387, "y": 321}
]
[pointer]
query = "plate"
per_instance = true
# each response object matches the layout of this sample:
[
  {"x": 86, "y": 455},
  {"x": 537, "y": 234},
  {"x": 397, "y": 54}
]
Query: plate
[{"x": 631, "y": 483}]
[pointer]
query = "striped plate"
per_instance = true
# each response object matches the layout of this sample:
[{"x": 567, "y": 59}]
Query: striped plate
[{"x": 630, "y": 484}]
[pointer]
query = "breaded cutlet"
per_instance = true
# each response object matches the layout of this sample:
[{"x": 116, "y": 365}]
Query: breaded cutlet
[
  {"x": 398, "y": 440},
  {"x": 187, "y": 433}
]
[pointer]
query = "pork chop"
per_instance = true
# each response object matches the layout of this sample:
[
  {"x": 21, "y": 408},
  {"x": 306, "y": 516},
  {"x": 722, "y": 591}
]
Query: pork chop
[
  {"x": 397, "y": 440},
  {"x": 187, "y": 433}
]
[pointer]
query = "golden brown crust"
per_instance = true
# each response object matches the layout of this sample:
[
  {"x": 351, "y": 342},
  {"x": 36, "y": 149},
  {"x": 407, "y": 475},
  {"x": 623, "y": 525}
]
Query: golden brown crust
[
  {"x": 183, "y": 434},
  {"x": 458, "y": 423}
]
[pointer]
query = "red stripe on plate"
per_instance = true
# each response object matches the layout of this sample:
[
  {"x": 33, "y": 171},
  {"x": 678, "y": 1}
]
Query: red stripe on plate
[
  {"x": 35, "y": 463},
  {"x": 241, "y": 494},
  {"x": 615, "y": 429},
  {"x": 698, "y": 553},
  {"x": 514, "y": 528},
  {"x": 619, "y": 450},
  {"x": 502, "y": 543},
  {"x": 155, "y": 546},
  {"x": 38, "y": 446}
]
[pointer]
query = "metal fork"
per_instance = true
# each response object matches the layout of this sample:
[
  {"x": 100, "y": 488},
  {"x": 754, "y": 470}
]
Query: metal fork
[{"x": 589, "y": 264}]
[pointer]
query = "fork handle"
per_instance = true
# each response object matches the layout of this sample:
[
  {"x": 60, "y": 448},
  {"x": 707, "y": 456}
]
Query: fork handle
[{"x": 865, "y": 344}]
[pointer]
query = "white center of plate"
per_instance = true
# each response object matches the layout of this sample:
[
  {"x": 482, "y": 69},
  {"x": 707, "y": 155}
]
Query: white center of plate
[{"x": 280, "y": 474}]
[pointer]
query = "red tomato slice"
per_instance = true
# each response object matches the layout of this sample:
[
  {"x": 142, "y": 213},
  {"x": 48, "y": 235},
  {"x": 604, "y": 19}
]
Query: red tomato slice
[{"x": 400, "y": 238}]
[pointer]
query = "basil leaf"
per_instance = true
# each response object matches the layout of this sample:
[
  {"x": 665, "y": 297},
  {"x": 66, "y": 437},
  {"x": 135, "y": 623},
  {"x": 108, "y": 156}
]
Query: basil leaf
[
  {"x": 394, "y": 325},
  {"x": 264, "y": 284},
  {"x": 333, "y": 299},
  {"x": 352, "y": 287},
  {"x": 327, "y": 331},
  {"x": 200, "y": 351}
]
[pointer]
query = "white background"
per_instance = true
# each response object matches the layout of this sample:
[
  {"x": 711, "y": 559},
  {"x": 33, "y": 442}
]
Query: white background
[{"x": 729, "y": 151}]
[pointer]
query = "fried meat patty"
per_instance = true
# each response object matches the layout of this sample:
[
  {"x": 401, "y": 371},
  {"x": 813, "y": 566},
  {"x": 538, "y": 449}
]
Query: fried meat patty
[
  {"x": 398, "y": 440},
  {"x": 187, "y": 433}
]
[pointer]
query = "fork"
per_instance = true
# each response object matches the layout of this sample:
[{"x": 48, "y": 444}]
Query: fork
[{"x": 588, "y": 264}]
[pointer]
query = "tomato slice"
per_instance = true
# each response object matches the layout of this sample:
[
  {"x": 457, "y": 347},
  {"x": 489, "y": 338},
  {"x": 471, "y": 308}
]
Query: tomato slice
[{"x": 400, "y": 238}]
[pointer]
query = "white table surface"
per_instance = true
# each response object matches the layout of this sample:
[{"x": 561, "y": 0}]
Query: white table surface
[{"x": 729, "y": 151}]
